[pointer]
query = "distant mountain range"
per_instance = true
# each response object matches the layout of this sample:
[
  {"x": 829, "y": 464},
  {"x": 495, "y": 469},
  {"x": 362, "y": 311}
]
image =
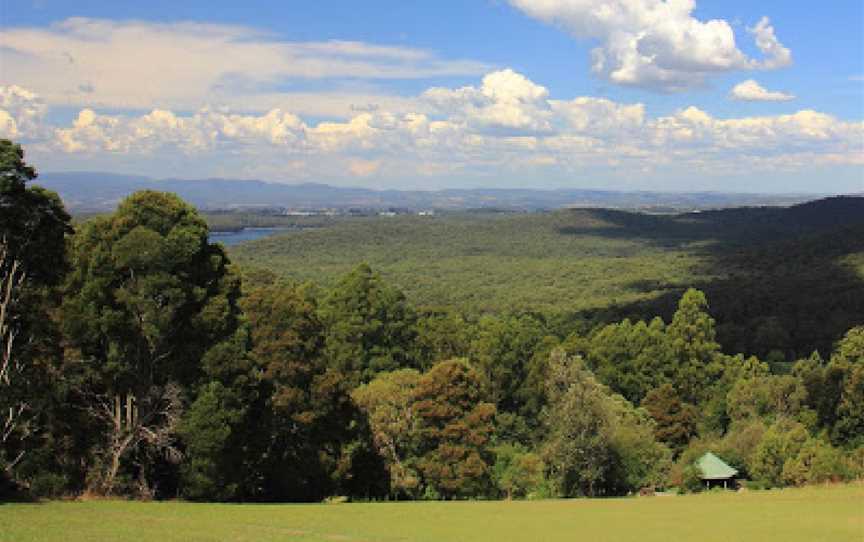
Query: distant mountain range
[{"x": 85, "y": 192}]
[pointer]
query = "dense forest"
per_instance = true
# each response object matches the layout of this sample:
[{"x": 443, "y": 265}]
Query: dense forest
[
  {"x": 782, "y": 281},
  {"x": 137, "y": 360}
]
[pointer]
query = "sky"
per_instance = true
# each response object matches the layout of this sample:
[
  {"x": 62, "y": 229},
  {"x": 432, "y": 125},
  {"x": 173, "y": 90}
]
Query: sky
[{"x": 669, "y": 95}]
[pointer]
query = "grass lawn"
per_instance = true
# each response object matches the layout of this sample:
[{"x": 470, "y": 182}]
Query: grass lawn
[{"x": 812, "y": 514}]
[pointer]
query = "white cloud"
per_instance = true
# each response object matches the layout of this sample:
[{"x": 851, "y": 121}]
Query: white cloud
[
  {"x": 505, "y": 125},
  {"x": 140, "y": 65},
  {"x": 21, "y": 112},
  {"x": 776, "y": 55},
  {"x": 506, "y": 103},
  {"x": 751, "y": 91},
  {"x": 656, "y": 44}
]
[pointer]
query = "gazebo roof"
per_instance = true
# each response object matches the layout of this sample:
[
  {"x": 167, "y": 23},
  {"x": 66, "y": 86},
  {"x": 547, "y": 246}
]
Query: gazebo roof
[{"x": 713, "y": 468}]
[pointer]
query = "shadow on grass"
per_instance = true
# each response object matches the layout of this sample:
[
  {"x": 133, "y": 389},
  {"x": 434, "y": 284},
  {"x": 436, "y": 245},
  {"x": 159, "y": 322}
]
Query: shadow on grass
[{"x": 13, "y": 495}]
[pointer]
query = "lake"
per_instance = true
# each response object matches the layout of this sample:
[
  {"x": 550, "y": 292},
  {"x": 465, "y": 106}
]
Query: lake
[{"x": 229, "y": 238}]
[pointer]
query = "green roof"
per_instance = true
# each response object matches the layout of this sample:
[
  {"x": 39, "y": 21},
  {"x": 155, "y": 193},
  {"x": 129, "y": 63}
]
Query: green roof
[{"x": 713, "y": 468}]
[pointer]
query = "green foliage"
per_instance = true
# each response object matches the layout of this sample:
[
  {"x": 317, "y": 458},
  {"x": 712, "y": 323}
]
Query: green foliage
[
  {"x": 849, "y": 428},
  {"x": 149, "y": 295},
  {"x": 597, "y": 444},
  {"x": 484, "y": 262},
  {"x": 33, "y": 221},
  {"x": 816, "y": 462},
  {"x": 504, "y": 348},
  {"x": 630, "y": 358},
  {"x": 171, "y": 383},
  {"x": 152, "y": 308},
  {"x": 641, "y": 461},
  {"x": 317, "y": 442},
  {"x": 33, "y": 226},
  {"x": 207, "y": 427},
  {"x": 388, "y": 401},
  {"x": 695, "y": 349},
  {"x": 369, "y": 326},
  {"x": 517, "y": 472},
  {"x": 766, "y": 397},
  {"x": 851, "y": 348},
  {"x": 609, "y": 265},
  {"x": 781, "y": 442},
  {"x": 442, "y": 335}
]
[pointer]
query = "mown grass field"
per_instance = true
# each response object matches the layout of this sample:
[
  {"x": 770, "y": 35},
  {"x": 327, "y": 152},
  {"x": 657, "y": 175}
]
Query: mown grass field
[{"x": 812, "y": 514}]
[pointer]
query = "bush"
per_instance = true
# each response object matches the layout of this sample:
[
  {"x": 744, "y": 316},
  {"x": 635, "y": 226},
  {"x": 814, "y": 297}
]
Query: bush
[
  {"x": 48, "y": 485},
  {"x": 691, "y": 479},
  {"x": 816, "y": 462}
]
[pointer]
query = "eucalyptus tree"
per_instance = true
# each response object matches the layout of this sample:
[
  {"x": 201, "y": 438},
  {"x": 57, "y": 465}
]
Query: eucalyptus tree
[
  {"x": 33, "y": 226},
  {"x": 151, "y": 307}
]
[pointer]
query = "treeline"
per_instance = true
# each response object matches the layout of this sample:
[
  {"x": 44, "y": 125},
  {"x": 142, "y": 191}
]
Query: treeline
[{"x": 135, "y": 363}]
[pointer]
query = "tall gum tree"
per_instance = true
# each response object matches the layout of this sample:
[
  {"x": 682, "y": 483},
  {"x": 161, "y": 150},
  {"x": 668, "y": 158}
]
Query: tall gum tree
[
  {"x": 33, "y": 227},
  {"x": 151, "y": 306}
]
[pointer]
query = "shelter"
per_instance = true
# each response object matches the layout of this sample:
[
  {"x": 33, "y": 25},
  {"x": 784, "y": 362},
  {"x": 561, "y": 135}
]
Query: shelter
[{"x": 714, "y": 470}]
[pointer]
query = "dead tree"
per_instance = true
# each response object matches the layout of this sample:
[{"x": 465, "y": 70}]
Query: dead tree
[
  {"x": 145, "y": 424},
  {"x": 16, "y": 423}
]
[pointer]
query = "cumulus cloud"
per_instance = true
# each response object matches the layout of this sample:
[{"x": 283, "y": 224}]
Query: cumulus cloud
[
  {"x": 751, "y": 91},
  {"x": 506, "y": 103},
  {"x": 202, "y": 131},
  {"x": 21, "y": 112},
  {"x": 656, "y": 44},
  {"x": 503, "y": 125},
  {"x": 776, "y": 55},
  {"x": 139, "y": 65}
]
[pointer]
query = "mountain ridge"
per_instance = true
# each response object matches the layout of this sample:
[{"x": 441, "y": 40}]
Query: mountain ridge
[{"x": 96, "y": 191}]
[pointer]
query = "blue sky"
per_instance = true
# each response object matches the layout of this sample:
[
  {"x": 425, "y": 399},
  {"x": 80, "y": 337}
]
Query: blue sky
[{"x": 339, "y": 92}]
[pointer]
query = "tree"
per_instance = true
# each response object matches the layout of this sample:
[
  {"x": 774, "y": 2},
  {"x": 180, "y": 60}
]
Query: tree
[
  {"x": 781, "y": 442},
  {"x": 578, "y": 422},
  {"x": 455, "y": 426},
  {"x": 209, "y": 472},
  {"x": 694, "y": 343},
  {"x": 631, "y": 358},
  {"x": 33, "y": 226},
  {"x": 151, "y": 306},
  {"x": 503, "y": 348},
  {"x": 767, "y": 397},
  {"x": 824, "y": 385},
  {"x": 517, "y": 472},
  {"x": 640, "y": 460},
  {"x": 675, "y": 420},
  {"x": 850, "y": 349},
  {"x": 816, "y": 462},
  {"x": 318, "y": 442},
  {"x": 12, "y": 367},
  {"x": 849, "y": 428},
  {"x": 369, "y": 327},
  {"x": 442, "y": 335},
  {"x": 597, "y": 443},
  {"x": 389, "y": 402}
]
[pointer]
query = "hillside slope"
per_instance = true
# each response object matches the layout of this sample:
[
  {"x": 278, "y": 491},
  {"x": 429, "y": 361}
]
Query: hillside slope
[{"x": 781, "y": 280}]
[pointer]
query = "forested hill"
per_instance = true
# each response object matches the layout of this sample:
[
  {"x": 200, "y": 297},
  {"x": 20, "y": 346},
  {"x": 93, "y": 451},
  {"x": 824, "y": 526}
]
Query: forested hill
[
  {"x": 805, "y": 218},
  {"x": 101, "y": 192},
  {"x": 785, "y": 281},
  {"x": 535, "y": 352}
]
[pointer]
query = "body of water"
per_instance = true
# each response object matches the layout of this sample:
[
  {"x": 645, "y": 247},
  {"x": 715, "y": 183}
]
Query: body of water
[{"x": 229, "y": 238}]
